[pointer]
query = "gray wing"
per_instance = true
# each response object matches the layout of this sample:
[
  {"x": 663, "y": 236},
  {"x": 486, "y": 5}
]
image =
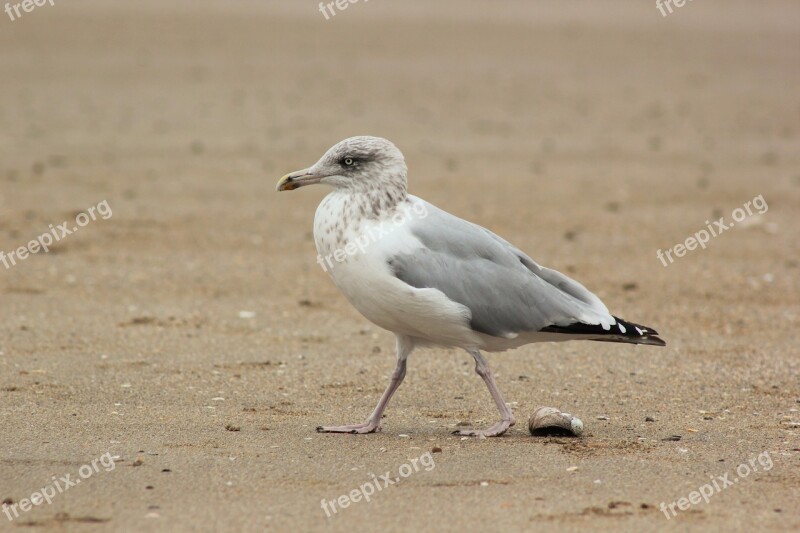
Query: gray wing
[{"x": 506, "y": 291}]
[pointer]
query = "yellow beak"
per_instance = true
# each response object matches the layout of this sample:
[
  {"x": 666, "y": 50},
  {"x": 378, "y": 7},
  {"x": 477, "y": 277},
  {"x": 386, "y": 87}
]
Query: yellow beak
[{"x": 295, "y": 180}]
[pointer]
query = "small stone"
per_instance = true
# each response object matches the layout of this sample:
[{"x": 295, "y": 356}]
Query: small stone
[
  {"x": 547, "y": 421},
  {"x": 649, "y": 419}
]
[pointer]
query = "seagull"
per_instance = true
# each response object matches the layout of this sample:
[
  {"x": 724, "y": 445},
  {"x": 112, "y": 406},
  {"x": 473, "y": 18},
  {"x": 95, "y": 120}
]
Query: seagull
[{"x": 434, "y": 279}]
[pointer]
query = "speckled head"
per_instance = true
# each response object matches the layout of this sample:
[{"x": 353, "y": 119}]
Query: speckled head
[{"x": 359, "y": 164}]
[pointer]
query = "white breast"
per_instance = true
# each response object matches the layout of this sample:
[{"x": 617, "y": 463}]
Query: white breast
[{"x": 353, "y": 249}]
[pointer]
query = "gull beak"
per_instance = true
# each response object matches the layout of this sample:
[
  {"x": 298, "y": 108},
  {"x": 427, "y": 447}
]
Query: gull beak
[{"x": 295, "y": 180}]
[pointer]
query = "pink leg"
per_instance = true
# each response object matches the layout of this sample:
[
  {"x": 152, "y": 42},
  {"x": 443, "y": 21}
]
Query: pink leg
[
  {"x": 483, "y": 370},
  {"x": 404, "y": 348}
]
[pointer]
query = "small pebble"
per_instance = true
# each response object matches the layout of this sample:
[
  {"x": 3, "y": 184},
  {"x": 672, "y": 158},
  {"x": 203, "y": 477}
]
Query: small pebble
[{"x": 549, "y": 421}]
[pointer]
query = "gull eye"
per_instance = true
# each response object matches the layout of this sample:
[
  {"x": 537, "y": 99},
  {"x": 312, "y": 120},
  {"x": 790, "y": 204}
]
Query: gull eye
[{"x": 349, "y": 161}]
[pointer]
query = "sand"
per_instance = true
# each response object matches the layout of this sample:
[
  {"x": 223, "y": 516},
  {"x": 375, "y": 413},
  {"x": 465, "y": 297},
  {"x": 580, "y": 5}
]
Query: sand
[{"x": 192, "y": 339}]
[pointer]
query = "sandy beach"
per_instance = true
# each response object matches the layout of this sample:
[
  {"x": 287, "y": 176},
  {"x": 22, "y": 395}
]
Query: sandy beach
[{"x": 173, "y": 351}]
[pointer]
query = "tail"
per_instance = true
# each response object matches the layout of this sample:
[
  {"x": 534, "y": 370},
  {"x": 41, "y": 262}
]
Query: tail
[{"x": 622, "y": 331}]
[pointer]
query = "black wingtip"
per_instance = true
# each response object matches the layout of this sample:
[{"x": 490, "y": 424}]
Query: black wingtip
[
  {"x": 623, "y": 331},
  {"x": 652, "y": 340}
]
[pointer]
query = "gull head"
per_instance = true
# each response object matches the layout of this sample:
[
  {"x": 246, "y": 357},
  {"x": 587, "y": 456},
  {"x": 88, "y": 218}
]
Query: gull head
[{"x": 358, "y": 164}]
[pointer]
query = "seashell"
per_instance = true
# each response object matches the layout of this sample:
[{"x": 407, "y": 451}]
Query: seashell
[{"x": 550, "y": 421}]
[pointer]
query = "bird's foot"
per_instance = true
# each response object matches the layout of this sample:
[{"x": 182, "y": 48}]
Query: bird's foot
[
  {"x": 494, "y": 431},
  {"x": 366, "y": 427}
]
